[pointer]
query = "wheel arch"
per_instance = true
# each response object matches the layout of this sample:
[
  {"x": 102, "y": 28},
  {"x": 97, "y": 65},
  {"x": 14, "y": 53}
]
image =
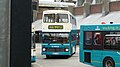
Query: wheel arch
[{"x": 107, "y": 58}]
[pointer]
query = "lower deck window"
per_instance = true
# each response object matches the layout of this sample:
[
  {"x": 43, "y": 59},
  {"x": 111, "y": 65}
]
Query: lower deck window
[{"x": 112, "y": 40}]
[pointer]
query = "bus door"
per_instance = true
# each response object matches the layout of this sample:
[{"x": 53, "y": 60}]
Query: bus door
[
  {"x": 87, "y": 46},
  {"x": 73, "y": 41}
]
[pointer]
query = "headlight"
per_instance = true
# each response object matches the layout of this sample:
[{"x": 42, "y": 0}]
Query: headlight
[
  {"x": 66, "y": 49},
  {"x": 44, "y": 49}
]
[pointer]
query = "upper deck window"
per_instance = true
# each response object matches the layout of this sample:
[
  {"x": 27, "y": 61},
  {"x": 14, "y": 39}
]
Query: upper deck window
[
  {"x": 52, "y": 18},
  {"x": 62, "y": 18},
  {"x": 72, "y": 20},
  {"x": 49, "y": 18}
]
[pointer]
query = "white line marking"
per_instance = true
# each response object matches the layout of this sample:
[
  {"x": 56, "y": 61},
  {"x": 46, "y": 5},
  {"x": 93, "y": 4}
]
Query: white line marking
[{"x": 38, "y": 65}]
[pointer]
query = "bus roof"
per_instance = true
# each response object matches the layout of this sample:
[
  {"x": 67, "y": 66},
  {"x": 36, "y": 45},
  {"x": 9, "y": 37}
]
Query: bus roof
[
  {"x": 101, "y": 27},
  {"x": 56, "y": 11}
]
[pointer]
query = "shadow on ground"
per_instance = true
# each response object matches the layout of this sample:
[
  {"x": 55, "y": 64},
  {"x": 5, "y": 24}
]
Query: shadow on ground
[{"x": 58, "y": 57}]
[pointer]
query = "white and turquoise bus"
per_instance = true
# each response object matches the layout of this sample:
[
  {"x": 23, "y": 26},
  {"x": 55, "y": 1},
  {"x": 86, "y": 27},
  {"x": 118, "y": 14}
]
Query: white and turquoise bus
[
  {"x": 33, "y": 48},
  {"x": 58, "y": 33},
  {"x": 100, "y": 45}
]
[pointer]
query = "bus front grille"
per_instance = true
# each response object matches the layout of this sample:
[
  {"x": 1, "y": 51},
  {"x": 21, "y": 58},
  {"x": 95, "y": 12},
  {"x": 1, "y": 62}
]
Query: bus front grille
[{"x": 55, "y": 49}]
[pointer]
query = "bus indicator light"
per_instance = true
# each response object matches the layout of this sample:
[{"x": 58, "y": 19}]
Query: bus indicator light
[{"x": 103, "y": 23}]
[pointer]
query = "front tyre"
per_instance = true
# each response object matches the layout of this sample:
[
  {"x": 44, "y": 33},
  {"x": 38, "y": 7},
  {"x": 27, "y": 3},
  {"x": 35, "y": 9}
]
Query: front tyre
[
  {"x": 48, "y": 56},
  {"x": 108, "y": 62}
]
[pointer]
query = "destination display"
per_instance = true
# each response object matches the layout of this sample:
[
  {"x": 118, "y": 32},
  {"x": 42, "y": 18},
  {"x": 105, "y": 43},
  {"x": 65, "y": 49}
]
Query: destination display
[
  {"x": 111, "y": 28},
  {"x": 55, "y": 27}
]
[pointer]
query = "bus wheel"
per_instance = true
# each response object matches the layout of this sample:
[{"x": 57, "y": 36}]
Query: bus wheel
[
  {"x": 48, "y": 56},
  {"x": 108, "y": 62}
]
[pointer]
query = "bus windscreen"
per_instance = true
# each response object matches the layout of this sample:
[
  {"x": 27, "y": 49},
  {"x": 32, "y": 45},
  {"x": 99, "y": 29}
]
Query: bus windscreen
[{"x": 56, "y": 38}]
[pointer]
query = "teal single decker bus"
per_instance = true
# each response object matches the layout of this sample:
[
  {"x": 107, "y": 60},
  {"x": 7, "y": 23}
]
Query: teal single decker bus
[{"x": 100, "y": 45}]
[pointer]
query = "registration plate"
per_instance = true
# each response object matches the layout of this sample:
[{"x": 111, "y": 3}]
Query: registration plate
[{"x": 55, "y": 53}]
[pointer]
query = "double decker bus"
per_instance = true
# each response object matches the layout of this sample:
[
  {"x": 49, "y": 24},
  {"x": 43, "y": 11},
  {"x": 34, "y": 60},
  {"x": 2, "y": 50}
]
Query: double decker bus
[
  {"x": 58, "y": 33},
  {"x": 100, "y": 45},
  {"x": 33, "y": 48}
]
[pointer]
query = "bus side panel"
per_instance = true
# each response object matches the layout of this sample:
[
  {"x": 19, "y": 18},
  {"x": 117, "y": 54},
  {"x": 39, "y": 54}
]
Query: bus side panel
[
  {"x": 71, "y": 44},
  {"x": 96, "y": 58},
  {"x": 114, "y": 55},
  {"x": 81, "y": 55}
]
